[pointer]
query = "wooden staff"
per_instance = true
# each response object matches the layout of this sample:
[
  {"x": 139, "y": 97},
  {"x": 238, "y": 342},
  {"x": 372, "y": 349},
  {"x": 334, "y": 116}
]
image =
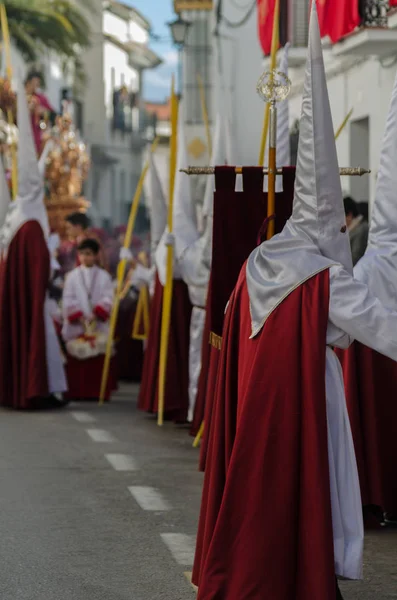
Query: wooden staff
[
  {"x": 343, "y": 171},
  {"x": 167, "y": 293},
  {"x": 205, "y": 114},
  {"x": 120, "y": 278},
  {"x": 142, "y": 314},
  {"x": 343, "y": 124},
  {"x": 273, "y": 58},
  {"x": 7, "y": 48}
]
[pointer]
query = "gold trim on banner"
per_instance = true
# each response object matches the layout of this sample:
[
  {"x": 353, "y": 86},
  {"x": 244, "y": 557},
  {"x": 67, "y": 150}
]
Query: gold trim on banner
[{"x": 215, "y": 340}]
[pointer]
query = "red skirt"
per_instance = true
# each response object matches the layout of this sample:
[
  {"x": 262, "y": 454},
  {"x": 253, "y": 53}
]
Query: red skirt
[
  {"x": 176, "y": 397},
  {"x": 371, "y": 396},
  {"x": 129, "y": 352},
  {"x": 84, "y": 378}
]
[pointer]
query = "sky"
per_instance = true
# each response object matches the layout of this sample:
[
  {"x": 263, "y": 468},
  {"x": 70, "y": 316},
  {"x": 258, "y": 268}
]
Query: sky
[{"x": 157, "y": 81}]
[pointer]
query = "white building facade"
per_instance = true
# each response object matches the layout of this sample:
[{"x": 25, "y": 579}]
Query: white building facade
[
  {"x": 360, "y": 75},
  {"x": 111, "y": 101}
]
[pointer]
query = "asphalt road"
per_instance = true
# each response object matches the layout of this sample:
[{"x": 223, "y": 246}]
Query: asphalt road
[{"x": 98, "y": 503}]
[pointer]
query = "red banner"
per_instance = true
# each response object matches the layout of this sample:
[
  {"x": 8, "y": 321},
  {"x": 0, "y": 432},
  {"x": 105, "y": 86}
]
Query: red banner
[
  {"x": 393, "y": 2},
  {"x": 338, "y": 18},
  {"x": 265, "y": 23}
]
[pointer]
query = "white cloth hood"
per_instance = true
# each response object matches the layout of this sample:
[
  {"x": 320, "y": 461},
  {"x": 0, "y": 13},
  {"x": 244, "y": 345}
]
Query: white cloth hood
[
  {"x": 378, "y": 267},
  {"x": 383, "y": 229},
  {"x": 158, "y": 207},
  {"x": 29, "y": 203},
  {"x": 315, "y": 237},
  {"x": 184, "y": 218},
  {"x": 283, "y": 140}
]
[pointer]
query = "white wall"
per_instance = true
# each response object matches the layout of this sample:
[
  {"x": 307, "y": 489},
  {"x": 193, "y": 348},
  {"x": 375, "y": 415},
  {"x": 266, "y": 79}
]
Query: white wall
[{"x": 366, "y": 86}]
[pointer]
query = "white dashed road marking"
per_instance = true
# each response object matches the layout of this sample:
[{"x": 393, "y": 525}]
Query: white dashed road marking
[
  {"x": 149, "y": 498},
  {"x": 181, "y": 546},
  {"x": 83, "y": 417},
  {"x": 121, "y": 462},
  {"x": 100, "y": 435}
]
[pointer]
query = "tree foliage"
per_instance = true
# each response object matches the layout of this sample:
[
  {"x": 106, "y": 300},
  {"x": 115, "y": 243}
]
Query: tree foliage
[{"x": 37, "y": 26}]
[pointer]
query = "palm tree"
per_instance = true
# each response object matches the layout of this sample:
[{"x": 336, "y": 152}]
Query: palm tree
[{"x": 37, "y": 26}]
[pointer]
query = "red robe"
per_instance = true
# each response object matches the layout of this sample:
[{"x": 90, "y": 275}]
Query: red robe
[
  {"x": 371, "y": 396},
  {"x": 176, "y": 396},
  {"x": 23, "y": 360},
  {"x": 265, "y": 528}
]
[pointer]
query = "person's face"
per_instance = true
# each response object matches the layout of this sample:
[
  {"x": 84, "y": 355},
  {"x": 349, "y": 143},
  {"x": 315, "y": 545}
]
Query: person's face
[
  {"x": 349, "y": 219},
  {"x": 73, "y": 231},
  {"x": 87, "y": 258}
]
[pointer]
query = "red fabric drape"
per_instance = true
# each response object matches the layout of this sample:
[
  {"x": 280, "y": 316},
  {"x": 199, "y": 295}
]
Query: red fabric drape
[
  {"x": 338, "y": 18},
  {"x": 261, "y": 533},
  {"x": 23, "y": 360},
  {"x": 244, "y": 213},
  {"x": 238, "y": 217},
  {"x": 265, "y": 23},
  {"x": 371, "y": 392},
  {"x": 176, "y": 397}
]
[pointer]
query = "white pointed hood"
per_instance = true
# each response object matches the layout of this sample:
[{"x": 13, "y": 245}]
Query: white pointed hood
[
  {"x": 378, "y": 267},
  {"x": 185, "y": 220},
  {"x": 157, "y": 204},
  {"x": 283, "y": 139},
  {"x": 315, "y": 237},
  {"x": 383, "y": 230},
  {"x": 29, "y": 203}
]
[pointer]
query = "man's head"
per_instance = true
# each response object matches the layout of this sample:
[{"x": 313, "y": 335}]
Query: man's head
[
  {"x": 351, "y": 210},
  {"x": 33, "y": 81},
  {"x": 76, "y": 225},
  {"x": 88, "y": 252}
]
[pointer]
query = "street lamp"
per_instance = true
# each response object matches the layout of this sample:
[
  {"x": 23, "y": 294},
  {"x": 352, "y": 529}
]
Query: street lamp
[{"x": 179, "y": 30}]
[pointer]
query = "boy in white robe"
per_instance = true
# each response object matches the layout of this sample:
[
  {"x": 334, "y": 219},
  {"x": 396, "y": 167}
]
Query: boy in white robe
[{"x": 87, "y": 303}]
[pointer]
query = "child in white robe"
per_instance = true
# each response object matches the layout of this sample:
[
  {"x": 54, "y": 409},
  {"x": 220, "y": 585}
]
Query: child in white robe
[{"x": 86, "y": 307}]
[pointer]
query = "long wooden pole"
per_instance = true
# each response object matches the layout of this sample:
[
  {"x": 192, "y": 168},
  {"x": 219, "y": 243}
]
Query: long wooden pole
[
  {"x": 167, "y": 294},
  {"x": 204, "y": 111},
  {"x": 7, "y": 49},
  {"x": 120, "y": 278},
  {"x": 273, "y": 59},
  {"x": 343, "y": 124}
]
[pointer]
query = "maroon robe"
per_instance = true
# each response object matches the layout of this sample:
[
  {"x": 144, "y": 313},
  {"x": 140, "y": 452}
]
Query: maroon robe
[
  {"x": 265, "y": 528},
  {"x": 85, "y": 378},
  {"x": 23, "y": 360},
  {"x": 176, "y": 395},
  {"x": 371, "y": 396}
]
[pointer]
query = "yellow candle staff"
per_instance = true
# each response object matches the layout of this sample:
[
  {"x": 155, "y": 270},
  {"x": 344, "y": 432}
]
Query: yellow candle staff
[
  {"x": 167, "y": 293},
  {"x": 273, "y": 58},
  {"x": 142, "y": 316},
  {"x": 120, "y": 278},
  {"x": 343, "y": 124}
]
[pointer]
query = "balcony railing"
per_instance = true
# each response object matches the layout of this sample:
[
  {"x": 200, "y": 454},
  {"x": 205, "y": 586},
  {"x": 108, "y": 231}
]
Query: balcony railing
[{"x": 374, "y": 12}]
